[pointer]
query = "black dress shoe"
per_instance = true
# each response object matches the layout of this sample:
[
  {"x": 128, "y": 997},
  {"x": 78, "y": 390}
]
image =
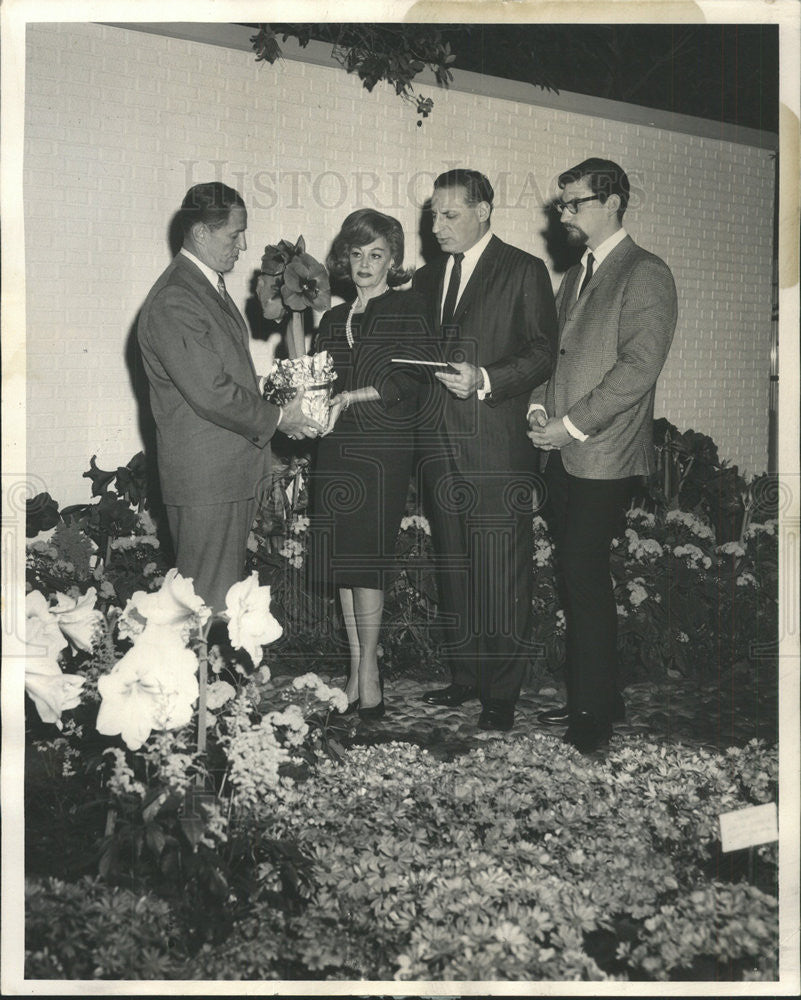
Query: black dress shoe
[
  {"x": 586, "y": 733},
  {"x": 451, "y": 696},
  {"x": 555, "y": 716},
  {"x": 373, "y": 712},
  {"x": 497, "y": 715},
  {"x": 561, "y": 716}
]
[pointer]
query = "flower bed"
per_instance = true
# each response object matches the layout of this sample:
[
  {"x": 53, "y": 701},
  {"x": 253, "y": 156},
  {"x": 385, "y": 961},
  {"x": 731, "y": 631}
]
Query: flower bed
[
  {"x": 180, "y": 777},
  {"x": 519, "y": 862}
]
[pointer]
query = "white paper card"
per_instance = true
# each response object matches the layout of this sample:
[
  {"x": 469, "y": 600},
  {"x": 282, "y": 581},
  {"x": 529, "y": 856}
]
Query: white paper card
[{"x": 746, "y": 827}]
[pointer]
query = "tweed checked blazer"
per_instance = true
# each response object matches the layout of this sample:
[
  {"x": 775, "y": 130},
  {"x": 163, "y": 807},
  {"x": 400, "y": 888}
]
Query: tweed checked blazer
[
  {"x": 213, "y": 428},
  {"x": 613, "y": 342}
]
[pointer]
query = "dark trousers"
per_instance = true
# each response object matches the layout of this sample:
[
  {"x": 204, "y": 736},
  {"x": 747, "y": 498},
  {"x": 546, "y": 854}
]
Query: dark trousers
[
  {"x": 584, "y": 515},
  {"x": 211, "y": 545},
  {"x": 482, "y": 541}
]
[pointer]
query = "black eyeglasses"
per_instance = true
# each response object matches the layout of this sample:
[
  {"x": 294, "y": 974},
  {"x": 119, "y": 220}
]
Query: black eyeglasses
[{"x": 573, "y": 204}]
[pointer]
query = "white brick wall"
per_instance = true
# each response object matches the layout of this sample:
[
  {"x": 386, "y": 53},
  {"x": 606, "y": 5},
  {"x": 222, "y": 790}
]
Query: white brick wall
[{"x": 120, "y": 123}]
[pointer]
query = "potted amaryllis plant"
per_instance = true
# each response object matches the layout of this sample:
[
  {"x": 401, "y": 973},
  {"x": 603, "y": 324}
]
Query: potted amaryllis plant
[{"x": 291, "y": 280}]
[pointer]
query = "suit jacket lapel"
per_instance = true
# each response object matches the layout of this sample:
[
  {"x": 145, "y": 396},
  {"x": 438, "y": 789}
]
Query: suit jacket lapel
[
  {"x": 608, "y": 271},
  {"x": 471, "y": 289},
  {"x": 439, "y": 290},
  {"x": 230, "y": 314}
]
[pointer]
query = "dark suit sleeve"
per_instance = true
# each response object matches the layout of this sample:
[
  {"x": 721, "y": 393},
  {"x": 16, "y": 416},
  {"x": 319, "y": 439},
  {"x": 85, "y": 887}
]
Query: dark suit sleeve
[
  {"x": 647, "y": 323},
  {"x": 535, "y": 314},
  {"x": 181, "y": 337}
]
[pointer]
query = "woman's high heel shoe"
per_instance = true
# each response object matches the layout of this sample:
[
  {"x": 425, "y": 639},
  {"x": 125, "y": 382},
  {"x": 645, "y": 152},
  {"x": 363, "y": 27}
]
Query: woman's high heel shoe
[
  {"x": 353, "y": 706},
  {"x": 374, "y": 712}
]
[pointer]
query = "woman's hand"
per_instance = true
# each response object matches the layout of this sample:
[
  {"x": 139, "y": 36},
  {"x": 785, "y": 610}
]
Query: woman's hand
[{"x": 338, "y": 404}]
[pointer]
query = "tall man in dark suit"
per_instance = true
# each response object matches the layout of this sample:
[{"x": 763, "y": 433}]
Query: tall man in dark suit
[
  {"x": 213, "y": 427},
  {"x": 493, "y": 307},
  {"x": 617, "y": 314}
]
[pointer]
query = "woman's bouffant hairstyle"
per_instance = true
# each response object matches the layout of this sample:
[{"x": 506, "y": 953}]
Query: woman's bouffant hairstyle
[{"x": 361, "y": 228}]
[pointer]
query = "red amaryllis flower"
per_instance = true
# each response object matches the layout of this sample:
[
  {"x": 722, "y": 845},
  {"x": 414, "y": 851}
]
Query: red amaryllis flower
[
  {"x": 268, "y": 290},
  {"x": 305, "y": 284},
  {"x": 278, "y": 255}
]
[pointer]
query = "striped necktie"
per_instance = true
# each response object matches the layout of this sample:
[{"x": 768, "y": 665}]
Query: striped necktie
[{"x": 220, "y": 285}]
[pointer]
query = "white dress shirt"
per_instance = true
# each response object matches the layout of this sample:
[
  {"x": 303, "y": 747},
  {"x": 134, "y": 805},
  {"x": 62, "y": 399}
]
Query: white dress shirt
[
  {"x": 469, "y": 263},
  {"x": 210, "y": 273},
  {"x": 599, "y": 254}
]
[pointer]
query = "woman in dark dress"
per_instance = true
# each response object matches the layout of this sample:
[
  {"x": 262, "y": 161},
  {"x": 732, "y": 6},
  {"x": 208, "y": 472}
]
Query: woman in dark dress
[{"x": 364, "y": 459}]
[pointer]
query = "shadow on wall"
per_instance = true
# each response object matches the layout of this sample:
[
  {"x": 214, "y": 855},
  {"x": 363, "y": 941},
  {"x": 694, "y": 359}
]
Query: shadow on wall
[
  {"x": 175, "y": 235},
  {"x": 429, "y": 247},
  {"x": 561, "y": 253},
  {"x": 147, "y": 433}
]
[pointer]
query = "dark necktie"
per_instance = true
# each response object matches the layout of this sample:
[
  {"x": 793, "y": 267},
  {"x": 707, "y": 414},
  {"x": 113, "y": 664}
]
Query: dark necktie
[
  {"x": 588, "y": 274},
  {"x": 220, "y": 285},
  {"x": 453, "y": 290}
]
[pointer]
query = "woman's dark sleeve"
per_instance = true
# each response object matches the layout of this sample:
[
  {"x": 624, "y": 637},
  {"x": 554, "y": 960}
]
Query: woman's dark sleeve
[{"x": 401, "y": 332}]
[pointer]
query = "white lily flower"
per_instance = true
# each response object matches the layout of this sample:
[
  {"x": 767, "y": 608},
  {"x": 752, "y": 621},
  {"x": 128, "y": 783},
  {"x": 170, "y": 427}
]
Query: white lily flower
[
  {"x": 154, "y": 686},
  {"x": 174, "y": 604},
  {"x": 78, "y": 619},
  {"x": 250, "y": 623}
]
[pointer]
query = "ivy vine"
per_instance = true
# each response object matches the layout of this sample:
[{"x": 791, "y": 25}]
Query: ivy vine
[{"x": 394, "y": 53}]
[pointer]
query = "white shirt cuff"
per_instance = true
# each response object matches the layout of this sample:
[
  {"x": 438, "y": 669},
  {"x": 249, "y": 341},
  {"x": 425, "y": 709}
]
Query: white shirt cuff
[
  {"x": 486, "y": 389},
  {"x": 535, "y": 406},
  {"x": 572, "y": 430}
]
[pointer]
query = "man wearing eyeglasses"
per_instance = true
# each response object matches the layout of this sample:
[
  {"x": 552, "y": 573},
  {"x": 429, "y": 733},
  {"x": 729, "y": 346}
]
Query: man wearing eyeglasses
[{"x": 617, "y": 312}]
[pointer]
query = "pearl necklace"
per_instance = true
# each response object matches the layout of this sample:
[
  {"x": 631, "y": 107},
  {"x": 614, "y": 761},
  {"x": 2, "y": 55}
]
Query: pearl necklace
[{"x": 348, "y": 327}]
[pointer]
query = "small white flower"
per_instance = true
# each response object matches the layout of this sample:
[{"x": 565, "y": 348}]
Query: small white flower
[
  {"x": 121, "y": 780},
  {"x": 305, "y": 681},
  {"x": 338, "y": 700},
  {"x": 637, "y": 591},
  {"x": 697, "y": 527},
  {"x": 746, "y": 580},
  {"x": 732, "y": 549},
  {"x": 638, "y": 514},
  {"x": 218, "y": 693}
]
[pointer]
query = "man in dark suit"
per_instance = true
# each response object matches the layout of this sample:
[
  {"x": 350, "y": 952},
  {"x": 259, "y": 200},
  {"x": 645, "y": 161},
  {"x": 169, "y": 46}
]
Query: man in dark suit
[
  {"x": 617, "y": 314},
  {"x": 213, "y": 427},
  {"x": 493, "y": 307}
]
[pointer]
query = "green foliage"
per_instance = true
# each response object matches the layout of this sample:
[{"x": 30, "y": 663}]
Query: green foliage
[
  {"x": 685, "y": 605},
  {"x": 88, "y": 930},
  {"x": 690, "y": 476},
  {"x": 504, "y": 865},
  {"x": 395, "y": 53},
  {"x": 112, "y": 544}
]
